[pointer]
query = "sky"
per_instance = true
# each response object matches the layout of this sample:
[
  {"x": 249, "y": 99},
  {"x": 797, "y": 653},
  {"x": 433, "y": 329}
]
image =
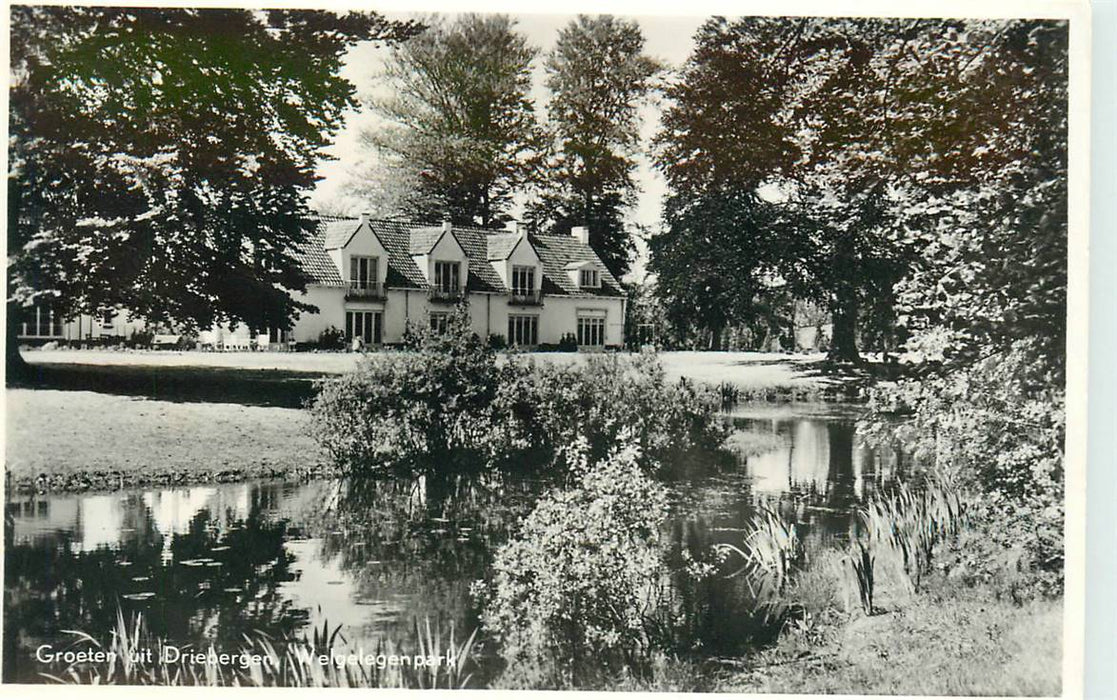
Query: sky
[{"x": 668, "y": 38}]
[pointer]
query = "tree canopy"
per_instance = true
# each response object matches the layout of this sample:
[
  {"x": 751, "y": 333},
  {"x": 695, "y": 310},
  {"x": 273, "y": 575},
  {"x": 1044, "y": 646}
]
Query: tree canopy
[
  {"x": 598, "y": 76},
  {"x": 866, "y": 148},
  {"x": 160, "y": 159},
  {"x": 460, "y": 127}
]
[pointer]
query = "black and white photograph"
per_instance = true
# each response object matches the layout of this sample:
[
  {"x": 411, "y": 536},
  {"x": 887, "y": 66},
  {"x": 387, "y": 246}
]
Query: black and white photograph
[{"x": 574, "y": 349}]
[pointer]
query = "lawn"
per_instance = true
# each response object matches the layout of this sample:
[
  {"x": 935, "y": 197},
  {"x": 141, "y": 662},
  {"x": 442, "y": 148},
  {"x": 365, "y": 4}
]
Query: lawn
[
  {"x": 746, "y": 370},
  {"x": 76, "y": 440}
]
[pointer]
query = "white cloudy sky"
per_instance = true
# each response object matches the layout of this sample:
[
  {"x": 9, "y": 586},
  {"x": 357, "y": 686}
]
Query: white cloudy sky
[{"x": 668, "y": 38}]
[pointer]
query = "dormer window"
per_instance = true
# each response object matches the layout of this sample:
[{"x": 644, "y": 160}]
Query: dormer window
[
  {"x": 363, "y": 272},
  {"x": 589, "y": 278},
  {"x": 523, "y": 279},
  {"x": 447, "y": 276}
]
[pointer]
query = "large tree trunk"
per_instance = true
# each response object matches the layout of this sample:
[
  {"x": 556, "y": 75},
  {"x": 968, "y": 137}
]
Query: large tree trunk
[{"x": 843, "y": 344}]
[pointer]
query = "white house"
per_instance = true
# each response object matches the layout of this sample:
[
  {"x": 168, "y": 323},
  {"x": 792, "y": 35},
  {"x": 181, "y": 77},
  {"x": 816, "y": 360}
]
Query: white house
[{"x": 370, "y": 278}]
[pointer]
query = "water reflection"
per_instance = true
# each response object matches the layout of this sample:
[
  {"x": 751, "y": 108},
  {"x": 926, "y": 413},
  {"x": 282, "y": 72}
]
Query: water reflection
[{"x": 208, "y": 564}]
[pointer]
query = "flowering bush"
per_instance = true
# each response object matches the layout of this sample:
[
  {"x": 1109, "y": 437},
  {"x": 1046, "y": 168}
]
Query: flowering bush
[{"x": 576, "y": 591}]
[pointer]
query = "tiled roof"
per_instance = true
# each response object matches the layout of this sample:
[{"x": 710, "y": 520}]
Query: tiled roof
[
  {"x": 423, "y": 239},
  {"x": 482, "y": 276},
  {"x": 402, "y": 239},
  {"x": 402, "y": 270},
  {"x": 557, "y": 252},
  {"x": 501, "y": 245},
  {"x": 338, "y": 233},
  {"x": 316, "y": 263}
]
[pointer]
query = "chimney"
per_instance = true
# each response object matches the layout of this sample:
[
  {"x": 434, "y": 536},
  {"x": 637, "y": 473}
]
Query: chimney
[
  {"x": 513, "y": 226},
  {"x": 446, "y": 226},
  {"x": 581, "y": 233},
  {"x": 364, "y": 218}
]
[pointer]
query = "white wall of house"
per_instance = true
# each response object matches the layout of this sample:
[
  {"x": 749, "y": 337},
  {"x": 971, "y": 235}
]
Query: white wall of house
[
  {"x": 560, "y": 316},
  {"x": 331, "y": 312}
]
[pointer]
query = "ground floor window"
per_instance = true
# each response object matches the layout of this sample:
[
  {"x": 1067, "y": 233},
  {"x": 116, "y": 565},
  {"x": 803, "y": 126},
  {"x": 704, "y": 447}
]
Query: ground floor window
[
  {"x": 523, "y": 330},
  {"x": 43, "y": 322},
  {"x": 366, "y": 325},
  {"x": 440, "y": 322},
  {"x": 591, "y": 330},
  {"x": 278, "y": 335}
]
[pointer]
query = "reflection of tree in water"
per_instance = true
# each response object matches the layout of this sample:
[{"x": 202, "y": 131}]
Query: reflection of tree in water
[
  {"x": 218, "y": 583},
  {"x": 422, "y": 540}
]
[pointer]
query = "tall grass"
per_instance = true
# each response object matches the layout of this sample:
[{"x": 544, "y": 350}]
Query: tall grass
[
  {"x": 771, "y": 549},
  {"x": 274, "y": 663},
  {"x": 907, "y": 524}
]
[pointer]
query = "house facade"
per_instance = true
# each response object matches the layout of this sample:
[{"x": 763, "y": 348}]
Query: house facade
[{"x": 370, "y": 278}]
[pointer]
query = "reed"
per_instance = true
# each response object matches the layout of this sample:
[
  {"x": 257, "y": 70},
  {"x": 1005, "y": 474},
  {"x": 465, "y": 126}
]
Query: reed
[
  {"x": 911, "y": 523},
  {"x": 771, "y": 549},
  {"x": 862, "y": 560}
]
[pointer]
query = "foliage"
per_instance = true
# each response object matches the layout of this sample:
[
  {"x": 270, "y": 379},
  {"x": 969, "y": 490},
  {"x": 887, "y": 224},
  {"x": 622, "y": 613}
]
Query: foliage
[
  {"x": 910, "y": 523},
  {"x": 433, "y": 398},
  {"x": 160, "y": 158},
  {"x": 573, "y": 592},
  {"x": 450, "y": 392},
  {"x": 996, "y": 429},
  {"x": 461, "y": 127},
  {"x": 771, "y": 550},
  {"x": 332, "y": 338},
  {"x": 598, "y": 76},
  {"x": 883, "y": 168},
  {"x": 862, "y": 561},
  {"x": 606, "y": 396}
]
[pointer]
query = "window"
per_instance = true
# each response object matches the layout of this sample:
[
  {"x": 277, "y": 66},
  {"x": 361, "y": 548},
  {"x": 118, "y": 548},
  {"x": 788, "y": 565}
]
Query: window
[
  {"x": 590, "y": 278},
  {"x": 446, "y": 276},
  {"x": 440, "y": 322},
  {"x": 523, "y": 279},
  {"x": 523, "y": 330},
  {"x": 365, "y": 325},
  {"x": 278, "y": 335},
  {"x": 591, "y": 330},
  {"x": 363, "y": 272},
  {"x": 43, "y": 322}
]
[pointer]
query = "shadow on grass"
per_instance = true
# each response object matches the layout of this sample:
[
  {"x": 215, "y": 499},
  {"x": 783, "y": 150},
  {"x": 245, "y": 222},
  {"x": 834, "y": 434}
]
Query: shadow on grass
[{"x": 250, "y": 387}]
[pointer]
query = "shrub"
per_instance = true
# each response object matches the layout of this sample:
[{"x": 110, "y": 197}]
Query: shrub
[
  {"x": 996, "y": 430},
  {"x": 568, "y": 343},
  {"x": 331, "y": 339},
  {"x": 574, "y": 592},
  {"x": 497, "y": 342},
  {"x": 449, "y": 392},
  {"x": 433, "y": 399},
  {"x": 551, "y": 405}
]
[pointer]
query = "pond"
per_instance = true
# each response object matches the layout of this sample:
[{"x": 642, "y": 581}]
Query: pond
[{"x": 207, "y": 564}]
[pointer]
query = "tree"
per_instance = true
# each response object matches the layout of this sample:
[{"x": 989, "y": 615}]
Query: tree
[
  {"x": 881, "y": 137},
  {"x": 460, "y": 128},
  {"x": 722, "y": 138},
  {"x": 160, "y": 159},
  {"x": 598, "y": 76}
]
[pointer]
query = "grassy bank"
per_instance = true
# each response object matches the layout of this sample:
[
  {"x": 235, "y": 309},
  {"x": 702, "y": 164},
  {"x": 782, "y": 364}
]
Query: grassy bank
[
  {"x": 958, "y": 643},
  {"x": 79, "y": 440}
]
